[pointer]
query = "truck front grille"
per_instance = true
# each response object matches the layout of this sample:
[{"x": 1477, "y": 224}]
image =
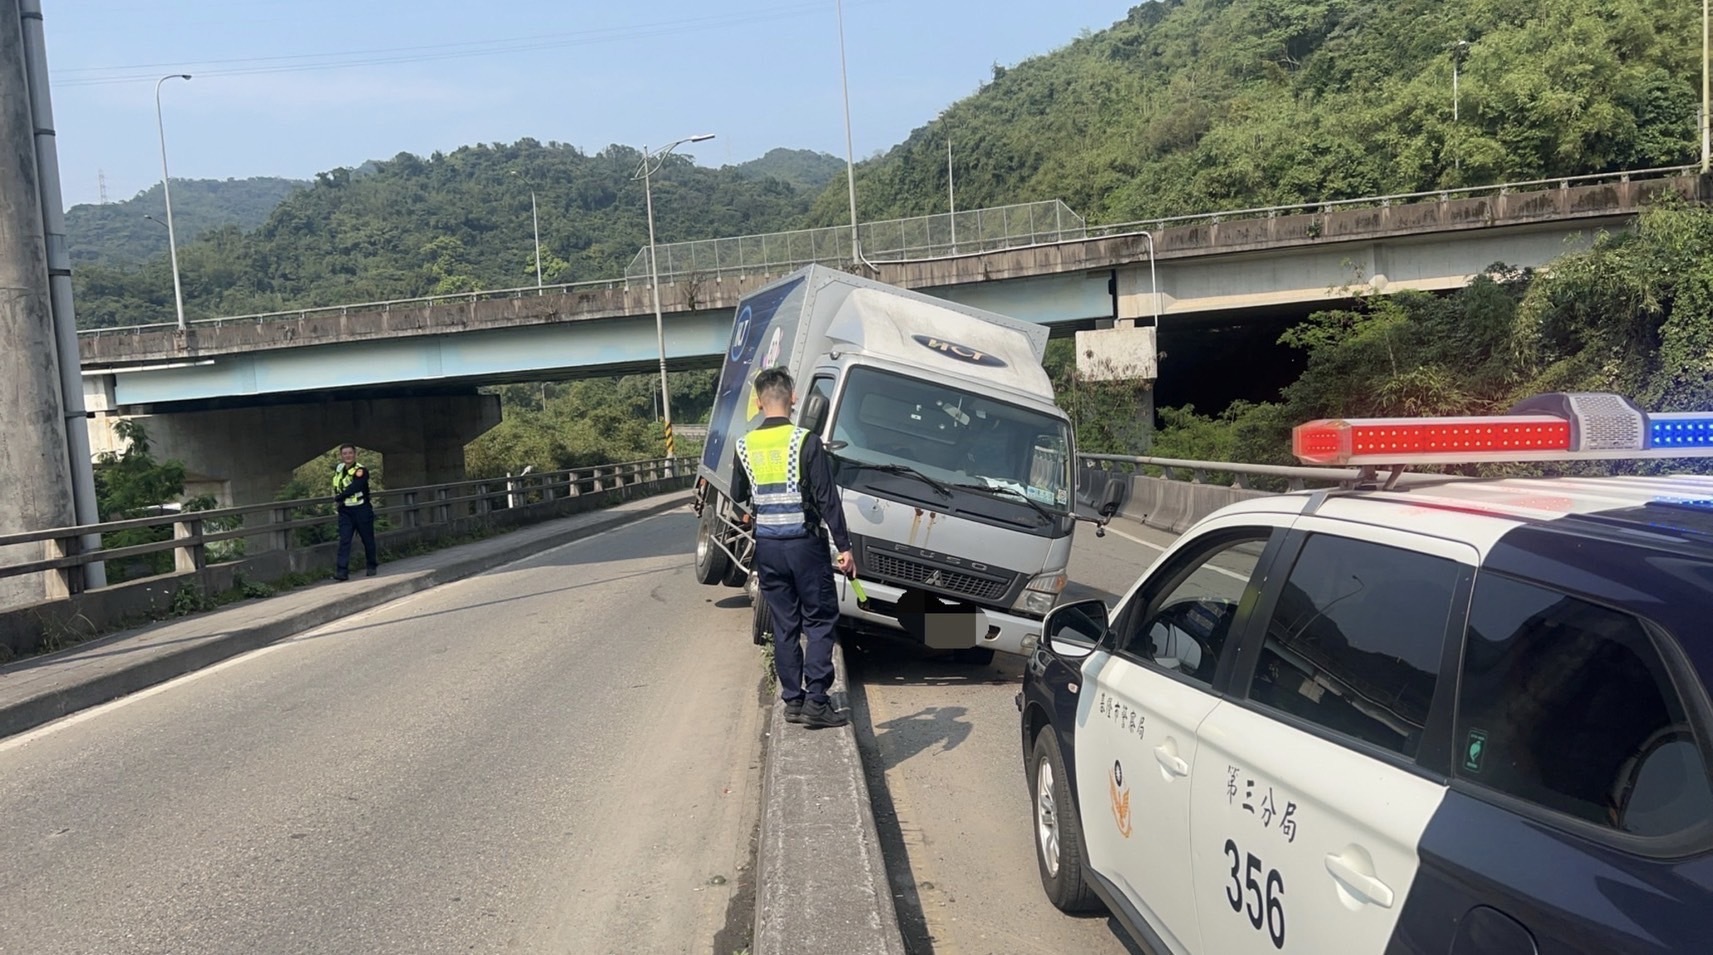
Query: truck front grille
[{"x": 904, "y": 570}]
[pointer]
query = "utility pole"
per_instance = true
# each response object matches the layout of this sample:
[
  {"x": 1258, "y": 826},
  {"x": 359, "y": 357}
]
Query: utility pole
[
  {"x": 33, "y": 457},
  {"x": 75, "y": 418}
]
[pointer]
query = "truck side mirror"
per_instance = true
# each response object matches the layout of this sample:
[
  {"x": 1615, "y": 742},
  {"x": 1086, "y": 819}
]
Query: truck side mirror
[
  {"x": 814, "y": 415},
  {"x": 1113, "y": 498}
]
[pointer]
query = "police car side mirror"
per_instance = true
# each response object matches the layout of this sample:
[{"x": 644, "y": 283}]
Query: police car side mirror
[
  {"x": 814, "y": 414},
  {"x": 1074, "y": 630}
]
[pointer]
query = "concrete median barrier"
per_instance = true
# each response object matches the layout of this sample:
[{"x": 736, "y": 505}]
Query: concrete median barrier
[{"x": 821, "y": 885}]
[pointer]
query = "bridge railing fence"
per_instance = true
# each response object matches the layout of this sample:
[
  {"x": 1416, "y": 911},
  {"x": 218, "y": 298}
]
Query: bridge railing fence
[
  {"x": 939, "y": 234},
  {"x": 196, "y": 539},
  {"x": 902, "y": 241}
]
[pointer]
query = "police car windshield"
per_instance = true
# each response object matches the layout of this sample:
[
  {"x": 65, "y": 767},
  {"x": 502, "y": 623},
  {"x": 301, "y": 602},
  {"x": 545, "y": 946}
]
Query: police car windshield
[{"x": 953, "y": 435}]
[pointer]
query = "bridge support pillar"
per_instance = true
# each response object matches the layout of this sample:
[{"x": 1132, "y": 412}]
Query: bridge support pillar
[
  {"x": 246, "y": 455},
  {"x": 1122, "y": 361}
]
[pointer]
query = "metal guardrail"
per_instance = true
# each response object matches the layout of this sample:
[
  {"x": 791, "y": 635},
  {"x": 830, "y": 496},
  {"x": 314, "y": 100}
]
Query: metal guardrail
[
  {"x": 970, "y": 232},
  {"x": 382, "y": 306},
  {"x": 423, "y": 506},
  {"x": 1296, "y": 477},
  {"x": 1139, "y": 226},
  {"x": 942, "y": 251}
]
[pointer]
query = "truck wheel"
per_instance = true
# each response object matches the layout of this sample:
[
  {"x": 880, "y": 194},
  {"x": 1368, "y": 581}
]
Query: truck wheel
[
  {"x": 736, "y": 576},
  {"x": 974, "y": 656},
  {"x": 712, "y": 564},
  {"x": 761, "y": 623},
  {"x": 1058, "y": 833}
]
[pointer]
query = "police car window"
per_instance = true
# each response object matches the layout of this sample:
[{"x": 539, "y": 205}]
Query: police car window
[
  {"x": 1188, "y": 618},
  {"x": 1568, "y": 705},
  {"x": 1354, "y": 644}
]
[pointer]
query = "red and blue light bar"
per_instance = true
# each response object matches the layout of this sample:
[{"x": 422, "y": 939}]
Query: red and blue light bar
[{"x": 1553, "y": 427}]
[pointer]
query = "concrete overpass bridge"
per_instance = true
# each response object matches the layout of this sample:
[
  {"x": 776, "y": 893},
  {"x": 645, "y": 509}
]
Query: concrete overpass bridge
[{"x": 244, "y": 400}]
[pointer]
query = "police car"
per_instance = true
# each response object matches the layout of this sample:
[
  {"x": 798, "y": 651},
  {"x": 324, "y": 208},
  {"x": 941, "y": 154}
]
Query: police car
[{"x": 1443, "y": 715}]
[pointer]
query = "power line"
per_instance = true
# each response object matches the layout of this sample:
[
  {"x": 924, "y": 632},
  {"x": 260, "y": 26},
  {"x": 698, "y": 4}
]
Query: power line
[{"x": 250, "y": 66}]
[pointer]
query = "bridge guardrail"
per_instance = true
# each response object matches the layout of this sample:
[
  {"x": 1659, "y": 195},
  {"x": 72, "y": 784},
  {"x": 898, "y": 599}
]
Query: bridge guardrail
[
  {"x": 414, "y": 507},
  {"x": 1139, "y": 226},
  {"x": 938, "y": 252}
]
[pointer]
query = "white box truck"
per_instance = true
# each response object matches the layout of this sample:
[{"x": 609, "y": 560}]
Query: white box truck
[{"x": 954, "y": 465}]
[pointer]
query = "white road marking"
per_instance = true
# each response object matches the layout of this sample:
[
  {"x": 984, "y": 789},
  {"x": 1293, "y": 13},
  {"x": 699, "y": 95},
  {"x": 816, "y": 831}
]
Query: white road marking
[{"x": 1162, "y": 548}]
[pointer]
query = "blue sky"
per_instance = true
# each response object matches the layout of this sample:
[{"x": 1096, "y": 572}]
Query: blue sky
[{"x": 294, "y": 87}]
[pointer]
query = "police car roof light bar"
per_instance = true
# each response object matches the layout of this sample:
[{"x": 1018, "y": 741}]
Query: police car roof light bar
[{"x": 1555, "y": 427}]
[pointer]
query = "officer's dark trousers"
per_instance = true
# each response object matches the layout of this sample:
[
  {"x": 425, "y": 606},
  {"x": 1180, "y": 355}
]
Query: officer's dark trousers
[
  {"x": 796, "y": 577},
  {"x": 362, "y": 521}
]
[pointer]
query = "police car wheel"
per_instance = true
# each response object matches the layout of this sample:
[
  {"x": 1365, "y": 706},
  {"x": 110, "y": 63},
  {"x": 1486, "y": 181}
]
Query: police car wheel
[
  {"x": 712, "y": 564},
  {"x": 761, "y": 623},
  {"x": 1058, "y": 834}
]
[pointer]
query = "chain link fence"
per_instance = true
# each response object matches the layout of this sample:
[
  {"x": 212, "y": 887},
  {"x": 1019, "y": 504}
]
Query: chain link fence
[{"x": 922, "y": 237}]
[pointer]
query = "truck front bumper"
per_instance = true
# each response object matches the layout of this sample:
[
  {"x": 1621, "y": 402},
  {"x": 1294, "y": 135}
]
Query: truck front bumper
[{"x": 993, "y": 628}]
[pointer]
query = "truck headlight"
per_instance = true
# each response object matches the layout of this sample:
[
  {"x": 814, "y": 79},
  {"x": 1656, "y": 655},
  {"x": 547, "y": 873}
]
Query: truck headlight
[{"x": 1042, "y": 593}]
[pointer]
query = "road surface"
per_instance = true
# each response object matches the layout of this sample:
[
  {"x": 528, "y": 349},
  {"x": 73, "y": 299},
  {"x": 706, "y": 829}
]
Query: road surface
[
  {"x": 561, "y": 755},
  {"x": 954, "y": 811}
]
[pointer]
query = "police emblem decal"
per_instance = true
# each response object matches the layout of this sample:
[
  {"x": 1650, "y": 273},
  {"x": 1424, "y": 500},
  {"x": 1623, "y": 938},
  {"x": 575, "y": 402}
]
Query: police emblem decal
[{"x": 1119, "y": 791}]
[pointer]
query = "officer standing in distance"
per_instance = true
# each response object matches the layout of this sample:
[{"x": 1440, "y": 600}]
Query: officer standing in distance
[
  {"x": 351, "y": 494},
  {"x": 783, "y": 473}
]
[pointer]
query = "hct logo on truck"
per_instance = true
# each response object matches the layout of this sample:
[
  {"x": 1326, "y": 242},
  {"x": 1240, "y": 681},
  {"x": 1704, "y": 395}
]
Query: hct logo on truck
[
  {"x": 740, "y": 331},
  {"x": 960, "y": 352}
]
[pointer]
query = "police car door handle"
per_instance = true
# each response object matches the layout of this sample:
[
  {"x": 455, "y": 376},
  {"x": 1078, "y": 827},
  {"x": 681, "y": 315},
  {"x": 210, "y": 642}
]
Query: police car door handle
[
  {"x": 1365, "y": 887},
  {"x": 1171, "y": 762}
]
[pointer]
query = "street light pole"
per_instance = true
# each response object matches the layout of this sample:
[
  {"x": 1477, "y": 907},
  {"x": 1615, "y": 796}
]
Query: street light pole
[
  {"x": 1706, "y": 88},
  {"x": 166, "y": 190},
  {"x": 645, "y": 172},
  {"x": 951, "y": 195},
  {"x": 1459, "y": 50},
  {"x": 1154, "y": 286},
  {"x": 535, "y": 220},
  {"x": 850, "y": 156}
]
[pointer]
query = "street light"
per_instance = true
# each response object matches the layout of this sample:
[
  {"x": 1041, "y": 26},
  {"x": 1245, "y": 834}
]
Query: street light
[
  {"x": 166, "y": 189},
  {"x": 1459, "y": 50},
  {"x": 535, "y": 221},
  {"x": 850, "y": 157},
  {"x": 650, "y": 165},
  {"x": 951, "y": 196}
]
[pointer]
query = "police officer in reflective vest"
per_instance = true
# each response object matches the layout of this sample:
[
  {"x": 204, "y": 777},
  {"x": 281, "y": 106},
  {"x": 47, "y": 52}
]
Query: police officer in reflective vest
[
  {"x": 785, "y": 471},
  {"x": 351, "y": 494}
]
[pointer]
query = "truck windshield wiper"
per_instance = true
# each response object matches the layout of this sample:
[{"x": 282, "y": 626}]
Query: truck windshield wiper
[
  {"x": 993, "y": 490},
  {"x": 904, "y": 469}
]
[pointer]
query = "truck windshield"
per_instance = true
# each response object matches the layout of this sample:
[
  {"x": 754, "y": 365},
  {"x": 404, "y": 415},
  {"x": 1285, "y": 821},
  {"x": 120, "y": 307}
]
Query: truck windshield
[{"x": 953, "y": 435}]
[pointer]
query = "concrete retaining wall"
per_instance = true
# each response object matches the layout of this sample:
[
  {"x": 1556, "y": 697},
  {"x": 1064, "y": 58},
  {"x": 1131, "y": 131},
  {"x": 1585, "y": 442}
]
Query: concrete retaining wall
[{"x": 1157, "y": 502}]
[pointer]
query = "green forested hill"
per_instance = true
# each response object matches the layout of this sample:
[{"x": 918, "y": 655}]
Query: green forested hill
[
  {"x": 803, "y": 168},
  {"x": 1198, "y": 105},
  {"x": 115, "y": 233},
  {"x": 457, "y": 221}
]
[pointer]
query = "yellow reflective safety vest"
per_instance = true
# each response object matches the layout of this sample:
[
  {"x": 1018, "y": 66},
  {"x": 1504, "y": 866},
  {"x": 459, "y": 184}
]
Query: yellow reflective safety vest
[
  {"x": 774, "y": 459},
  {"x": 343, "y": 477}
]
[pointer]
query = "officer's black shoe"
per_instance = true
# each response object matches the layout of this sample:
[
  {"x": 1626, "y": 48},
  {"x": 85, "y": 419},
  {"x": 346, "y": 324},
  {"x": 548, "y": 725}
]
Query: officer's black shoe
[
  {"x": 822, "y": 715},
  {"x": 341, "y": 577},
  {"x": 793, "y": 711},
  {"x": 369, "y": 573}
]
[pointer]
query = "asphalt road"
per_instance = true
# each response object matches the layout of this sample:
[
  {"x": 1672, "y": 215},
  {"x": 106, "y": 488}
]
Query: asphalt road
[
  {"x": 954, "y": 811},
  {"x": 561, "y": 755}
]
